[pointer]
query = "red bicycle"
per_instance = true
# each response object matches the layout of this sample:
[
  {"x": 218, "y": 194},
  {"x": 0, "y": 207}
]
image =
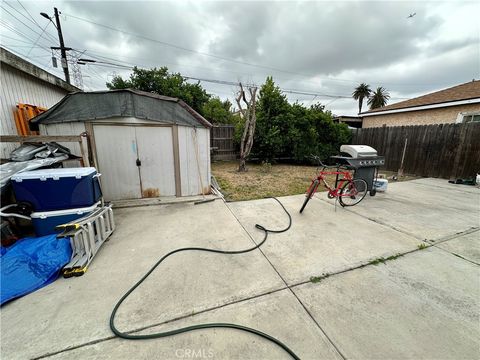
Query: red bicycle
[{"x": 348, "y": 190}]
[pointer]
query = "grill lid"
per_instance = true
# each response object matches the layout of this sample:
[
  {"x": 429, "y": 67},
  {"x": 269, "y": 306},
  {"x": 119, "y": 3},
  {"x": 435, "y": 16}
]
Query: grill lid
[{"x": 358, "y": 151}]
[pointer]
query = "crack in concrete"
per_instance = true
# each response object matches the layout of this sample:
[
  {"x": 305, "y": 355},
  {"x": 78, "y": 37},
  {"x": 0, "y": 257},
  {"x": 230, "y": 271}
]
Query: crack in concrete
[
  {"x": 289, "y": 287},
  {"x": 459, "y": 256},
  {"x": 181, "y": 317},
  {"x": 453, "y": 253},
  {"x": 453, "y": 188},
  {"x": 453, "y": 236},
  {"x": 376, "y": 221},
  {"x": 428, "y": 241}
]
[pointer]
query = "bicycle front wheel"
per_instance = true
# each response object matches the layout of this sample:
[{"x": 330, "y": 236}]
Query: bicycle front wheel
[
  {"x": 310, "y": 193},
  {"x": 353, "y": 192}
]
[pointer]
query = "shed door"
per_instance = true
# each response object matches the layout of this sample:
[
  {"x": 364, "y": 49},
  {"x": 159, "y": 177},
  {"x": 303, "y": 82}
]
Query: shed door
[
  {"x": 117, "y": 154},
  {"x": 157, "y": 170},
  {"x": 135, "y": 161}
]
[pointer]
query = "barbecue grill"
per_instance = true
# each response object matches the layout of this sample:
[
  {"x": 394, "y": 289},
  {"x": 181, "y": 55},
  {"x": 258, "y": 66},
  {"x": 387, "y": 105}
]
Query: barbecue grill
[{"x": 364, "y": 160}]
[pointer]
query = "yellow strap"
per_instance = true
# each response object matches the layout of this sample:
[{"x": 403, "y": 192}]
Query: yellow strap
[{"x": 67, "y": 226}]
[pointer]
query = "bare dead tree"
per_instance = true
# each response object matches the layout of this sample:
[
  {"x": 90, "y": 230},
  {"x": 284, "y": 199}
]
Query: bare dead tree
[{"x": 248, "y": 113}]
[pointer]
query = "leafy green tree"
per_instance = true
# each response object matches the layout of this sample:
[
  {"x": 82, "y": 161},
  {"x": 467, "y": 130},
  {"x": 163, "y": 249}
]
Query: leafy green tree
[
  {"x": 217, "y": 111},
  {"x": 361, "y": 92},
  {"x": 272, "y": 121},
  {"x": 378, "y": 98},
  {"x": 294, "y": 131},
  {"x": 160, "y": 81}
]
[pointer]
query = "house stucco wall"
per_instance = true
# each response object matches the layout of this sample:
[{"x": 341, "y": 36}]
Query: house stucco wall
[{"x": 421, "y": 117}]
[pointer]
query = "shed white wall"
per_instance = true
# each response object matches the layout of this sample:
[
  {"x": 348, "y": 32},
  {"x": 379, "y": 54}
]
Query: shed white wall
[
  {"x": 190, "y": 183},
  {"x": 19, "y": 87},
  {"x": 188, "y": 162}
]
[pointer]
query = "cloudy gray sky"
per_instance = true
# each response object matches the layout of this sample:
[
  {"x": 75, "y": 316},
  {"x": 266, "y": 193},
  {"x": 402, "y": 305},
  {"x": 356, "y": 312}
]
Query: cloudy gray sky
[{"x": 320, "y": 48}]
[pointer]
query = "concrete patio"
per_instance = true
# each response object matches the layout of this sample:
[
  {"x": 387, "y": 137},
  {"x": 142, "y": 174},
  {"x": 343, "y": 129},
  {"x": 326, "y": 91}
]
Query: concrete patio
[{"x": 424, "y": 304}]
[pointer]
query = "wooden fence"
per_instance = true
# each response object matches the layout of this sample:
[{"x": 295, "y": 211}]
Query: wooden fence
[
  {"x": 444, "y": 150},
  {"x": 221, "y": 142}
]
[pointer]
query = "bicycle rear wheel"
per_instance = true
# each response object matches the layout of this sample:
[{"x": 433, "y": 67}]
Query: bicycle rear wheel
[
  {"x": 353, "y": 192},
  {"x": 310, "y": 193}
]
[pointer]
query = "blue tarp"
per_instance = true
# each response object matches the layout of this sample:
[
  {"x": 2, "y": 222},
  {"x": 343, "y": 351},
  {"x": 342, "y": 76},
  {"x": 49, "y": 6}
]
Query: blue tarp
[{"x": 31, "y": 263}]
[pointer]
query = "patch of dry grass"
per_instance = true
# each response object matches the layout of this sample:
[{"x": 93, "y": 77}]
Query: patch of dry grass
[{"x": 263, "y": 181}]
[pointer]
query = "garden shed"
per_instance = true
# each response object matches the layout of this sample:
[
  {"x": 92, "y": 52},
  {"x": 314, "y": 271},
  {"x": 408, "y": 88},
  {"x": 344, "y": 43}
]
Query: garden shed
[{"x": 144, "y": 145}]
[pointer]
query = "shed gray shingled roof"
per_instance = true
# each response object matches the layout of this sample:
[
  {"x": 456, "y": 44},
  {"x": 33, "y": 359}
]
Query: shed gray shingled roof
[{"x": 88, "y": 106}]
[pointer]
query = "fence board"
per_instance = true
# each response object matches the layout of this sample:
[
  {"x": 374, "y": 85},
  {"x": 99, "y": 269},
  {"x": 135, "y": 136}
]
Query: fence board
[
  {"x": 444, "y": 150},
  {"x": 221, "y": 142}
]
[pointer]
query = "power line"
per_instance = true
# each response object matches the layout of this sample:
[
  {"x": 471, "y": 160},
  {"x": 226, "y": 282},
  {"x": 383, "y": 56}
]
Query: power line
[
  {"x": 15, "y": 39},
  {"x": 24, "y": 46},
  {"x": 289, "y": 91},
  {"x": 11, "y": 28},
  {"x": 113, "y": 66},
  {"x": 95, "y": 73},
  {"x": 40, "y": 35},
  {"x": 233, "y": 83},
  {"x": 36, "y": 41},
  {"x": 221, "y": 82},
  {"x": 224, "y": 82},
  {"x": 37, "y": 63},
  {"x": 32, "y": 19},
  {"x": 230, "y": 83},
  {"x": 195, "y": 51},
  {"x": 21, "y": 22},
  {"x": 222, "y": 57},
  {"x": 93, "y": 54},
  {"x": 18, "y": 32},
  {"x": 201, "y": 52}
]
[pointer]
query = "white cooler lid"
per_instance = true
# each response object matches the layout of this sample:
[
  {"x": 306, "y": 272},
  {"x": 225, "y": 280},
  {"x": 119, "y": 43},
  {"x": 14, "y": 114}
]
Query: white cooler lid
[
  {"x": 44, "y": 174},
  {"x": 79, "y": 211}
]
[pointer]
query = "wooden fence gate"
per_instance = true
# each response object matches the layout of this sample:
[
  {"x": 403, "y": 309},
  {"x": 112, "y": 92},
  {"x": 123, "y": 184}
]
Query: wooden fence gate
[
  {"x": 443, "y": 150},
  {"x": 221, "y": 142}
]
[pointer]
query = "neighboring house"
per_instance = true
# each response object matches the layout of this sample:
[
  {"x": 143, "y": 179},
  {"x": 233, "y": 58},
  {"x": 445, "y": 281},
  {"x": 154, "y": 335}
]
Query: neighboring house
[
  {"x": 145, "y": 145},
  {"x": 25, "y": 86},
  {"x": 457, "y": 104},
  {"x": 352, "y": 121}
]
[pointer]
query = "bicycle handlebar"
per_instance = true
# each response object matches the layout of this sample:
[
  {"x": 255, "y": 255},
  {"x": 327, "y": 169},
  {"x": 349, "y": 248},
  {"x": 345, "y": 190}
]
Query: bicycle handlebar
[{"x": 320, "y": 163}]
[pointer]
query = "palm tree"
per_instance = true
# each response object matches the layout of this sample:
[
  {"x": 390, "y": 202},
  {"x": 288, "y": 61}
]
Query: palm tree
[
  {"x": 378, "y": 98},
  {"x": 361, "y": 92}
]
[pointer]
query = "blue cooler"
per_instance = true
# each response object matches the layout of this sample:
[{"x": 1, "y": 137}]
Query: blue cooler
[
  {"x": 57, "y": 189},
  {"x": 44, "y": 222}
]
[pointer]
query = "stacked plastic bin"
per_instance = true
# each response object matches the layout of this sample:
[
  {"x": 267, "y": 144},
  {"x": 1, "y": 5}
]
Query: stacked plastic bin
[{"x": 57, "y": 196}]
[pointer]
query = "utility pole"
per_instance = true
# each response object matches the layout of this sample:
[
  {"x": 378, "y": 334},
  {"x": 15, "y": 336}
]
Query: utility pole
[{"x": 62, "y": 47}]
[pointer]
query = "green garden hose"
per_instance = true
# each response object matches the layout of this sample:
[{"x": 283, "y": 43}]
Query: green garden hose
[{"x": 130, "y": 336}]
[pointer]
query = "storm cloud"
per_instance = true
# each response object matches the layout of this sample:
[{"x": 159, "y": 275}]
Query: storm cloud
[{"x": 326, "y": 48}]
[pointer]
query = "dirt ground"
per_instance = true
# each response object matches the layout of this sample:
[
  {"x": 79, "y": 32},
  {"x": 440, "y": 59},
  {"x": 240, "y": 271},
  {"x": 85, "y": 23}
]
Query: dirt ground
[{"x": 267, "y": 180}]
